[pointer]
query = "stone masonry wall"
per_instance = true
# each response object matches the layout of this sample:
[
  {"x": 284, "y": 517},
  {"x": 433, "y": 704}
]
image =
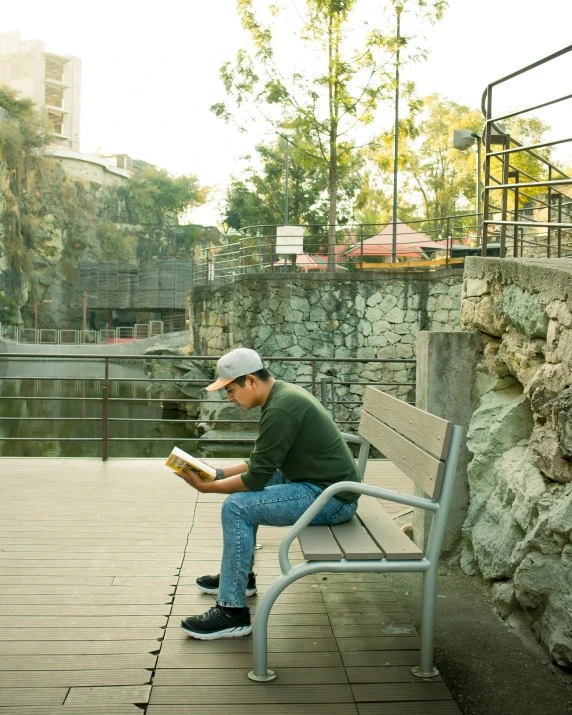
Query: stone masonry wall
[
  {"x": 354, "y": 316},
  {"x": 518, "y": 532}
]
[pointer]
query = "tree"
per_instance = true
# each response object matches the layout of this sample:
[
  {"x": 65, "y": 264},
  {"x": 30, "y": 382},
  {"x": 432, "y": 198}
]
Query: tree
[
  {"x": 437, "y": 177},
  {"x": 326, "y": 107},
  {"x": 257, "y": 196},
  {"x": 23, "y": 136},
  {"x": 156, "y": 195}
]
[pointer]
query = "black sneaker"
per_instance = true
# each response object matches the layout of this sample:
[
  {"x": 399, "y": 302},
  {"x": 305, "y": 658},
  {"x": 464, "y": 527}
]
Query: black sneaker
[
  {"x": 218, "y": 623},
  {"x": 210, "y": 584}
]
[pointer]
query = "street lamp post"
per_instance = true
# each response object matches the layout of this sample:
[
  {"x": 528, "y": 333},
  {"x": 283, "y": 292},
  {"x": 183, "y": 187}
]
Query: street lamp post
[
  {"x": 286, "y": 184},
  {"x": 286, "y": 133},
  {"x": 398, "y": 10},
  {"x": 463, "y": 139}
]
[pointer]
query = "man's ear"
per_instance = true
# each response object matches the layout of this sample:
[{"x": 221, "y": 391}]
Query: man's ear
[{"x": 251, "y": 380}]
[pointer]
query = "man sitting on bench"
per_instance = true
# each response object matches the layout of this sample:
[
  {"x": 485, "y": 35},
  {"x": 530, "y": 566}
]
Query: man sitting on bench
[{"x": 298, "y": 453}]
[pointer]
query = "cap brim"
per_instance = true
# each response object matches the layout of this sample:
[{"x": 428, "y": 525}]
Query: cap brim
[{"x": 219, "y": 384}]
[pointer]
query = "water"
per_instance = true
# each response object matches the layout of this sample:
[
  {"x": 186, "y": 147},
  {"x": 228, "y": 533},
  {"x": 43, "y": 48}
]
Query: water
[{"x": 78, "y": 426}]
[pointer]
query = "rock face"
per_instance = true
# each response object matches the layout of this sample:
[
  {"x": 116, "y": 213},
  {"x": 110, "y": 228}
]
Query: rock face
[
  {"x": 518, "y": 531},
  {"x": 354, "y": 316}
]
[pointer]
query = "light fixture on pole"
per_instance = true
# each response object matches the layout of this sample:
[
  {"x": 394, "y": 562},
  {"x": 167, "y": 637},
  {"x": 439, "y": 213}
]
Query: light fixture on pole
[{"x": 464, "y": 139}]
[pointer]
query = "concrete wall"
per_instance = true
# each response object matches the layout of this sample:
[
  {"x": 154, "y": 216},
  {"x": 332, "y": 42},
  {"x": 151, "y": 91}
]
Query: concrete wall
[{"x": 446, "y": 366}]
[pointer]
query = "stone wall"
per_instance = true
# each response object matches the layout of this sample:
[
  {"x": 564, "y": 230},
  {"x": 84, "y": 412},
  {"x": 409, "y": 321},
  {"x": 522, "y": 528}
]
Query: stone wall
[
  {"x": 354, "y": 316},
  {"x": 518, "y": 532}
]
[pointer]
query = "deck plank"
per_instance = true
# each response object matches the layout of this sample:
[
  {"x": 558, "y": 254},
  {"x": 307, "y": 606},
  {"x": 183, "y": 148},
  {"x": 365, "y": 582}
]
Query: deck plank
[{"x": 96, "y": 573}]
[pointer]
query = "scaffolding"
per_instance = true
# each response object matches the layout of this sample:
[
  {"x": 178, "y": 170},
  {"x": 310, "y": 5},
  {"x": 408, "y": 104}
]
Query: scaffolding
[{"x": 159, "y": 284}]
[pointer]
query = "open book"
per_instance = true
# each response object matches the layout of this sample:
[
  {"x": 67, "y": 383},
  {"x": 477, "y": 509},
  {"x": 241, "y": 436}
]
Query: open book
[{"x": 178, "y": 459}]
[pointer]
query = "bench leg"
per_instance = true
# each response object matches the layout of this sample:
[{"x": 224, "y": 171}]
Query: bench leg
[
  {"x": 426, "y": 669},
  {"x": 260, "y": 672}
]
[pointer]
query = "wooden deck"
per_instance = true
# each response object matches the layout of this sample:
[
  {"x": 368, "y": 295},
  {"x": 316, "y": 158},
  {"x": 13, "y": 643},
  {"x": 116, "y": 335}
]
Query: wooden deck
[{"x": 97, "y": 567}]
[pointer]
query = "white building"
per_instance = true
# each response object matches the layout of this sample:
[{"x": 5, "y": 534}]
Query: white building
[{"x": 52, "y": 81}]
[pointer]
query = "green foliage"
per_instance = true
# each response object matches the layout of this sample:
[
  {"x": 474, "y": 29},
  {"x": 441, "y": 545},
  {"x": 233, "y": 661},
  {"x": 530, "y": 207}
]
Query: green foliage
[
  {"x": 115, "y": 245},
  {"x": 326, "y": 108},
  {"x": 374, "y": 201},
  {"x": 527, "y": 131},
  {"x": 257, "y": 197},
  {"x": 22, "y": 139},
  {"x": 8, "y": 310},
  {"x": 157, "y": 196}
]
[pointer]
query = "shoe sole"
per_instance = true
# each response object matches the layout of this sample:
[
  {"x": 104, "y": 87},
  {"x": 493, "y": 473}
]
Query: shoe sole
[
  {"x": 214, "y": 591},
  {"x": 227, "y": 633}
]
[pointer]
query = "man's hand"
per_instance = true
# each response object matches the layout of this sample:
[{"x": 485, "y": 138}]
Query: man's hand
[
  {"x": 192, "y": 478},
  {"x": 224, "y": 486}
]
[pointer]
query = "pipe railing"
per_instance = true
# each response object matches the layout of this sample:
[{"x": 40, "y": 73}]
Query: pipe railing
[
  {"x": 102, "y": 408},
  {"x": 440, "y": 243},
  {"x": 503, "y": 180}
]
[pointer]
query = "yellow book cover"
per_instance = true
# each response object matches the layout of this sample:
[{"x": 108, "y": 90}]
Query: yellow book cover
[{"x": 178, "y": 459}]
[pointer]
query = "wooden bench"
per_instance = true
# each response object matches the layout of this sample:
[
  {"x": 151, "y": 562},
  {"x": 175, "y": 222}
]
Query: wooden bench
[{"x": 426, "y": 449}]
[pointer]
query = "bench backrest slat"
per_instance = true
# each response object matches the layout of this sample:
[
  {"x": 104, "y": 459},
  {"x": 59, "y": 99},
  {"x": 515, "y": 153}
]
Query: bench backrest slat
[
  {"x": 424, "y": 469},
  {"x": 431, "y": 433},
  {"x": 385, "y": 532},
  {"x": 355, "y": 542}
]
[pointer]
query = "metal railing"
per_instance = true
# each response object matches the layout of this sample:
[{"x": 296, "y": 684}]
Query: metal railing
[
  {"x": 100, "y": 409},
  {"x": 421, "y": 245},
  {"x": 121, "y": 334},
  {"x": 526, "y": 206}
]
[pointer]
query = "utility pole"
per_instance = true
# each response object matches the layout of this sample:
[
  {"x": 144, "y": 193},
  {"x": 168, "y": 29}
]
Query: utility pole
[
  {"x": 286, "y": 187},
  {"x": 84, "y": 322},
  {"x": 398, "y": 10}
]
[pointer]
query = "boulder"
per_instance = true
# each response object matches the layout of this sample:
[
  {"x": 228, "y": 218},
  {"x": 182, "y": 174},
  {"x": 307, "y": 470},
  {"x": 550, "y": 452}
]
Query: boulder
[
  {"x": 509, "y": 513},
  {"x": 165, "y": 369},
  {"x": 218, "y": 414},
  {"x": 524, "y": 311}
]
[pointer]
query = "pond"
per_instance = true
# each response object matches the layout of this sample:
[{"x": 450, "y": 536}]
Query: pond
[{"x": 49, "y": 411}]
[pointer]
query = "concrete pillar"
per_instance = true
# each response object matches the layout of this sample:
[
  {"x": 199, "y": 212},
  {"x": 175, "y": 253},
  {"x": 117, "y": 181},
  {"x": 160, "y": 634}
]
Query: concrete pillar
[{"x": 445, "y": 386}]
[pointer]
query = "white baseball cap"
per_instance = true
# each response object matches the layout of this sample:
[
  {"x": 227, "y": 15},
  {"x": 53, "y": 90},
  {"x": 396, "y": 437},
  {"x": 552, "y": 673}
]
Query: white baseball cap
[{"x": 239, "y": 362}]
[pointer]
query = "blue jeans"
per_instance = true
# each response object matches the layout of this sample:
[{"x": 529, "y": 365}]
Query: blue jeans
[{"x": 280, "y": 503}]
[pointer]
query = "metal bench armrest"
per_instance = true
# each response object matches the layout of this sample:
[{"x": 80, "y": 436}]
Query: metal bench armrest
[
  {"x": 353, "y": 438},
  {"x": 331, "y": 491}
]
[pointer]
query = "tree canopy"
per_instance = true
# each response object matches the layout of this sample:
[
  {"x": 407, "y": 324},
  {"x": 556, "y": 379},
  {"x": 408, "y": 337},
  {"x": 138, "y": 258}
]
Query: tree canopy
[
  {"x": 155, "y": 194},
  {"x": 350, "y": 47},
  {"x": 257, "y": 196}
]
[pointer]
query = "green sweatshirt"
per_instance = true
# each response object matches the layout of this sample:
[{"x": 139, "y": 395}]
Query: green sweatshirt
[{"x": 298, "y": 437}]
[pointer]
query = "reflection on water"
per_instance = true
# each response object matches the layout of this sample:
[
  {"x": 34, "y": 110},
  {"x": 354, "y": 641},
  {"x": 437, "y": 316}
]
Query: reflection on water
[{"x": 77, "y": 413}]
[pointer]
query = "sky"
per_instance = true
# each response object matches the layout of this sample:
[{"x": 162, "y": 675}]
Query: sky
[{"x": 150, "y": 71}]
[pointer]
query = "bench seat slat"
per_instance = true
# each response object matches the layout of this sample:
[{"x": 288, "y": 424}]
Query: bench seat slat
[
  {"x": 355, "y": 542},
  {"x": 424, "y": 469},
  {"x": 385, "y": 532},
  {"x": 318, "y": 544}
]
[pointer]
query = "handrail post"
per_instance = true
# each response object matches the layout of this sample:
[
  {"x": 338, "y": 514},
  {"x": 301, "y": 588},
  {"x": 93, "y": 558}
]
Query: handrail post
[
  {"x": 549, "y": 213},
  {"x": 559, "y": 227},
  {"x": 516, "y": 213},
  {"x": 104, "y": 413},
  {"x": 314, "y": 371},
  {"x": 504, "y": 201},
  {"x": 486, "y": 191},
  {"x": 448, "y": 243}
]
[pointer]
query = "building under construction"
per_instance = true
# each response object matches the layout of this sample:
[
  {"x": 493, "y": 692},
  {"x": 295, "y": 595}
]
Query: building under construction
[{"x": 159, "y": 285}]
